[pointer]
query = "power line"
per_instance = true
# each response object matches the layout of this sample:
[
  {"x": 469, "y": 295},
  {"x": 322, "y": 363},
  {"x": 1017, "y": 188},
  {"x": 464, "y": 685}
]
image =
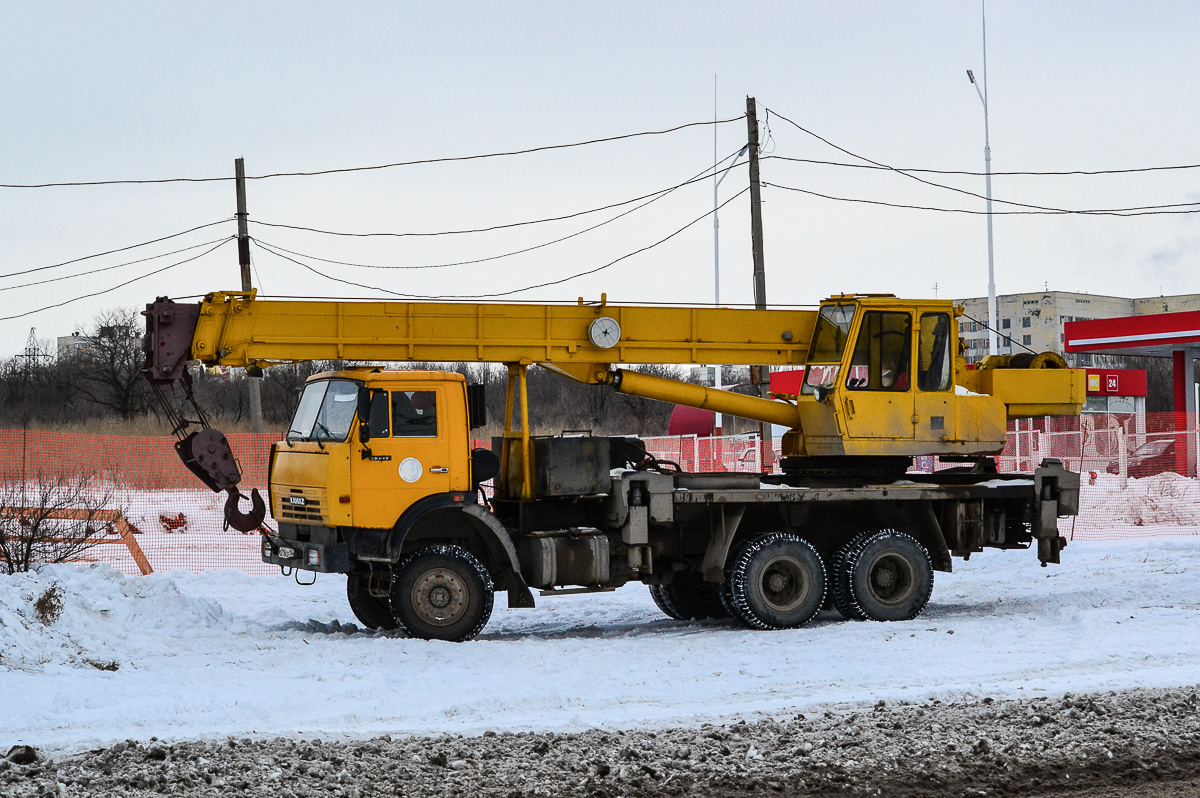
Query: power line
[
  {"x": 449, "y": 159},
  {"x": 114, "y": 251},
  {"x": 1153, "y": 210},
  {"x": 705, "y": 175},
  {"x": 515, "y": 290},
  {"x": 119, "y": 285},
  {"x": 115, "y": 266},
  {"x": 1070, "y": 173},
  {"x": 1097, "y": 212},
  {"x": 654, "y": 198}
]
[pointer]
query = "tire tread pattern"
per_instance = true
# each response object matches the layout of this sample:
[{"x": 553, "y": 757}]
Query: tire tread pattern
[
  {"x": 735, "y": 599},
  {"x": 854, "y": 550},
  {"x": 466, "y": 558}
]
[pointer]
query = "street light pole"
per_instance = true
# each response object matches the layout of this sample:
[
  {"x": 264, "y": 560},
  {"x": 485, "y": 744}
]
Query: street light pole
[{"x": 987, "y": 165}]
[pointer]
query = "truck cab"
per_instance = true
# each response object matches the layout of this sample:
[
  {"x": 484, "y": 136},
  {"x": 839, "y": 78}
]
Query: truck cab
[{"x": 415, "y": 443}]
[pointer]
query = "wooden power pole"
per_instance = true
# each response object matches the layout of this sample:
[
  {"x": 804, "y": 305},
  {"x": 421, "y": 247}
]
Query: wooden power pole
[
  {"x": 756, "y": 228},
  {"x": 760, "y": 376},
  {"x": 243, "y": 242}
]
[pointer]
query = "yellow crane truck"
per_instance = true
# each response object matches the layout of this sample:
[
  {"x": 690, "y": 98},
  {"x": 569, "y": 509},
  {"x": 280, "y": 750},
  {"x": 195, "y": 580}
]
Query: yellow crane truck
[{"x": 376, "y": 477}]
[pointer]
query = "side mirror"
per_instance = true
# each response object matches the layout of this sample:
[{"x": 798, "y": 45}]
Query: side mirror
[{"x": 363, "y": 411}]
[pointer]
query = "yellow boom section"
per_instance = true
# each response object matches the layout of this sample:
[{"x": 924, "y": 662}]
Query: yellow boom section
[{"x": 235, "y": 329}]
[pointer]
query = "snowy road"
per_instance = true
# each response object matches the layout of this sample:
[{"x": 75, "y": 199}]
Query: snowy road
[{"x": 223, "y": 653}]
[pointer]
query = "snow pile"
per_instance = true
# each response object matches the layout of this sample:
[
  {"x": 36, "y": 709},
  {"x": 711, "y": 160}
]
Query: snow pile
[
  {"x": 1163, "y": 499},
  {"x": 97, "y": 617}
]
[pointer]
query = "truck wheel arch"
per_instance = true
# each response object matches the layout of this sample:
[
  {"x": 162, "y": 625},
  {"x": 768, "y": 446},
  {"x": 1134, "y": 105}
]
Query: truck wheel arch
[{"x": 472, "y": 522}]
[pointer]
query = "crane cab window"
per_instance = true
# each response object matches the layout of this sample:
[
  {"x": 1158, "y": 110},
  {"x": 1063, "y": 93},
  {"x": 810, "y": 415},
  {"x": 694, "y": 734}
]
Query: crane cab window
[
  {"x": 828, "y": 344},
  {"x": 414, "y": 414},
  {"x": 882, "y": 353},
  {"x": 933, "y": 353}
]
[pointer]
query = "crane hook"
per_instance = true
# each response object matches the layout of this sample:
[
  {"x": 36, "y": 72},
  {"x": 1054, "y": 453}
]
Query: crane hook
[{"x": 245, "y": 522}]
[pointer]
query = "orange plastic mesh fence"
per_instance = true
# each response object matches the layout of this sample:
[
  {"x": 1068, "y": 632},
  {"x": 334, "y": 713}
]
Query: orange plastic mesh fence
[{"x": 1131, "y": 468}]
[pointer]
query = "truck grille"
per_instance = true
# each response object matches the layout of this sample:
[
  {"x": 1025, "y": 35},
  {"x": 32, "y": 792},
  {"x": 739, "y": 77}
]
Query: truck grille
[{"x": 302, "y": 505}]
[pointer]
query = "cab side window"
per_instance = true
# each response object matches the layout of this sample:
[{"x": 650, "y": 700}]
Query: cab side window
[
  {"x": 414, "y": 414},
  {"x": 379, "y": 426},
  {"x": 882, "y": 354},
  {"x": 934, "y": 364}
]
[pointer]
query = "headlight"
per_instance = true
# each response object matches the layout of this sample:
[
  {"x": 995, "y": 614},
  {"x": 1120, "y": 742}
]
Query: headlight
[{"x": 314, "y": 557}]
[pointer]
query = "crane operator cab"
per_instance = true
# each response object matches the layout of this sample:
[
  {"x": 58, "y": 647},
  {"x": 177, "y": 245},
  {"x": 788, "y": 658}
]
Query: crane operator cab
[{"x": 882, "y": 371}]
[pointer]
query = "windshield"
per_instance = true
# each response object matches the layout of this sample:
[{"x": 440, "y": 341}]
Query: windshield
[
  {"x": 326, "y": 411},
  {"x": 828, "y": 344}
]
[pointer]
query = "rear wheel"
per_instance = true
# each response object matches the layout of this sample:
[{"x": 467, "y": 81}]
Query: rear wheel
[
  {"x": 442, "y": 593},
  {"x": 689, "y": 598},
  {"x": 775, "y": 581},
  {"x": 839, "y": 581},
  {"x": 889, "y": 576},
  {"x": 372, "y": 611}
]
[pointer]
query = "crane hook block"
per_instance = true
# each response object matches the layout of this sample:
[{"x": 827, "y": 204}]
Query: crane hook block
[{"x": 245, "y": 522}]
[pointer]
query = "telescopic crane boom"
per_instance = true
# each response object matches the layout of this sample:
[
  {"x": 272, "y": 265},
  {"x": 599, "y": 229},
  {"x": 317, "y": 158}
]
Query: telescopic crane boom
[{"x": 884, "y": 376}]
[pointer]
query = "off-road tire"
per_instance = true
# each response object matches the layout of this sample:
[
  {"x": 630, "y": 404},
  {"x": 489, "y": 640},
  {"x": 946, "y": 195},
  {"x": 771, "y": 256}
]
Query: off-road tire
[
  {"x": 775, "y": 581},
  {"x": 889, "y": 575},
  {"x": 441, "y": 593},
  {"x": 839, "y": 580},
  {"x": 689, "y": 598},
  {"x": 372, "y": 611}
]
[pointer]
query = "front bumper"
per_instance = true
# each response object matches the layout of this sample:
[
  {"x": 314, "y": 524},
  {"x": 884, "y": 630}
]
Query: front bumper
[{"x": 308, "y": 548}]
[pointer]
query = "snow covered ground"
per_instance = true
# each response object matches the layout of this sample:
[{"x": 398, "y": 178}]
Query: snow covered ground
[{"x": 225, "y": 653}]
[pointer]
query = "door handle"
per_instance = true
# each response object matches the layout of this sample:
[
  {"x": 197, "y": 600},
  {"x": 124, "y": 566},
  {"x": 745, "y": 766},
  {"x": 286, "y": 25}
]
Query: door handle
[
  {"x": 439, "y": 470},
  {"x": 849, "y": 408}
]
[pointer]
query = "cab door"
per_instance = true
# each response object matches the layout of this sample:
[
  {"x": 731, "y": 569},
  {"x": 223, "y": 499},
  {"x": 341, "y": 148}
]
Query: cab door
[
  {"x": 408, "y": 455},
  {"x": 935, "y": 402},
  {"x": 877, "y": 396}
]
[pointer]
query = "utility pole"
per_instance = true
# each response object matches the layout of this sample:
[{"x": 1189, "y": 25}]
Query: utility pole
[
  {"x": 756, "y": 230},
  {"x": 759, "y": 375},
  {"x": 243, "y": 241}
]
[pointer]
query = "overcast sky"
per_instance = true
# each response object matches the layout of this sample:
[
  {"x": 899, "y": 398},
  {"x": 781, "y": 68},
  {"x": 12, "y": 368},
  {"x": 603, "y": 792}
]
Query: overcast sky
[{"x": 154, "y": 90}]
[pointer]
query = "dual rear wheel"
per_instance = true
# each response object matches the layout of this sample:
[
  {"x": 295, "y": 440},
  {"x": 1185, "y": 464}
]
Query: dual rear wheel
[{"x": 779, "y": 581}]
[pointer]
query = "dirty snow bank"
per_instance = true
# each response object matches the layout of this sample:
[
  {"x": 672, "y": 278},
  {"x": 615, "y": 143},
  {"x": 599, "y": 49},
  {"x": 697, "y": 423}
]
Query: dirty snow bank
[{"x": 229, "y": 654}]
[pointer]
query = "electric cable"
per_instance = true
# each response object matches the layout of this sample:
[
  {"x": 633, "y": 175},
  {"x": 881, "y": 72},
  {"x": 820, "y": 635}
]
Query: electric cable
[
  {"x": 1070, "y": 173},
  {"x": 119, "y": 285},
  {"x": 114, "y": 251},
  {"x": 1098, "y": 212},
  {"x": 654, "y": 198},
  {"x": 344, "y": 170},
  {"x": 986, "y": 328},
  {"x": 514, "y": 290},
  {"x": 1184, "y": 208},
  {"x": 115, "y": 266},
  {"x": 703, "y": 176}
]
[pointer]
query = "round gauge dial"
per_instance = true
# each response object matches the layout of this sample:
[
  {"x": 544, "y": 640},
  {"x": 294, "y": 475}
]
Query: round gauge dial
[{"x": 604, "y": 332}]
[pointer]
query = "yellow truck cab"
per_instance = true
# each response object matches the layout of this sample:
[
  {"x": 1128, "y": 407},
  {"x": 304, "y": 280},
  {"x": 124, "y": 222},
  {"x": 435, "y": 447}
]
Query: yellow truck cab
[{"x": 416, "y": 444}]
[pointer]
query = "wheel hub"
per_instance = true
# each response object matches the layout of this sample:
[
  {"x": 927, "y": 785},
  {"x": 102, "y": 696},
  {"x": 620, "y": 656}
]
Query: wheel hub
[
  {"x": 892, "y": 579},
  {"x": 783, "y": 583},
  {"x": 440, "y": 597}
]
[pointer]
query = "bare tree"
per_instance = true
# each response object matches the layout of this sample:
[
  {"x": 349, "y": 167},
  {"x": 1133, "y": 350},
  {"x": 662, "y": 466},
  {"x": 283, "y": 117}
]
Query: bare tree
[
  {"x": 50, "y": 519},
  {"x": 109, "y": 364}
]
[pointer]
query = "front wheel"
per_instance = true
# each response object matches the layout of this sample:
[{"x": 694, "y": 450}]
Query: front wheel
[
  {"x": 372, "y": 611},
  {"x": 442, "y": 593},
  {"x": 775, "y": 581}
]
